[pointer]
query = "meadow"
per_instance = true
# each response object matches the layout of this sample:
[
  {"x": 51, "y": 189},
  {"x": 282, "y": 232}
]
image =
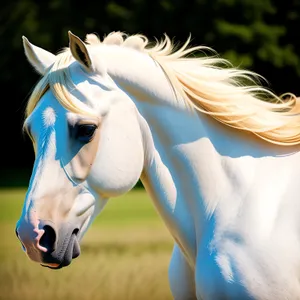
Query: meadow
[{"x": 124, "y": 256}]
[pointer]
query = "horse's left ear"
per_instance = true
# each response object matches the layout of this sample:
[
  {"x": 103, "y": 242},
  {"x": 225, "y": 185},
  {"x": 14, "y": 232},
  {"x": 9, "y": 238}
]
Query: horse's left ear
[{"x": 80, "y": 51}]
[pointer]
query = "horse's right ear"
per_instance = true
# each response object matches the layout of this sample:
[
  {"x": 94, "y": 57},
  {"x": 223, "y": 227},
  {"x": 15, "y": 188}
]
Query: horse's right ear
[{"x": 39, "y": 58}]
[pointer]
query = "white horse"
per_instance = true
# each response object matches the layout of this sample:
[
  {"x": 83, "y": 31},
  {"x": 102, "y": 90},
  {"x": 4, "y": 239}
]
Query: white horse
[{"x": 221, "y": 164}]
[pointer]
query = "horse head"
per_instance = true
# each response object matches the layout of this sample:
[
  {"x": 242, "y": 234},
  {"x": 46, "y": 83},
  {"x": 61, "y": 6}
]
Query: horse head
[{"x": 88, "y": 147}]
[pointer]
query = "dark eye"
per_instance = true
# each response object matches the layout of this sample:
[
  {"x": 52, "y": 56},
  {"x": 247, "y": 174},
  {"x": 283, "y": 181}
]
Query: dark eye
[{"x": 85, "y": 132}]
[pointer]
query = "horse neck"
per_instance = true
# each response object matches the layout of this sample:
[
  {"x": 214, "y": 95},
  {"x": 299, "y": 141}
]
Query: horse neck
[{"x": 181, "y": 170}]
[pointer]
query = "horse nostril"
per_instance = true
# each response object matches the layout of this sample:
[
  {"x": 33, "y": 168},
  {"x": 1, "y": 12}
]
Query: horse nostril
[
  {"x": 48, "y": 238},
  {"x": 75, "y": 231}
]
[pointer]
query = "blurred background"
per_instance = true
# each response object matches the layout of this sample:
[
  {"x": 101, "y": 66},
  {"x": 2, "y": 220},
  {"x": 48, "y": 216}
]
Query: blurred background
[{"x": 126, "y": 252}]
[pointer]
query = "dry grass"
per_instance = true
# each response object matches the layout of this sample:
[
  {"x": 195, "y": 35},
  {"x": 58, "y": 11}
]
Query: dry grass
[{"x": 125, "y": 261}]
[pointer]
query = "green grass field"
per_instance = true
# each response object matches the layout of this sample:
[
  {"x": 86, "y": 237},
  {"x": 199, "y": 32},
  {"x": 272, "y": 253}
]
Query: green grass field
[{"x": 125, "y": 255}]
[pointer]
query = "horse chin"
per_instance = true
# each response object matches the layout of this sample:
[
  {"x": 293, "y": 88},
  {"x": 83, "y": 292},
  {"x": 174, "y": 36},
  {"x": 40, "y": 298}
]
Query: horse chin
[{"x": 63, "y": 255}]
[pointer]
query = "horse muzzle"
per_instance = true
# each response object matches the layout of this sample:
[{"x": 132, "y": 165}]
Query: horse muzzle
[{"x": 52, "y": 248}]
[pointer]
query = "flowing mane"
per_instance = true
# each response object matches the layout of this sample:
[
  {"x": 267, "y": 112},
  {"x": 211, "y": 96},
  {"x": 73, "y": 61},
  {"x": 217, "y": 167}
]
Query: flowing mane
[{"x": 207, "y": 83}]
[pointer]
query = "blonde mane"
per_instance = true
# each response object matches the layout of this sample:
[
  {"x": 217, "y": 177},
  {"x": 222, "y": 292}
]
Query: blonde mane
[{"x": 209, "y": 84}]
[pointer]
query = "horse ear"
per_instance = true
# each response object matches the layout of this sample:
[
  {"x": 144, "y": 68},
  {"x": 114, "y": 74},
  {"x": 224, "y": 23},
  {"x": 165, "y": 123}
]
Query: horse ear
[
  {"x": 39, "y": 58},
  {"x": 79, "y": 51}
]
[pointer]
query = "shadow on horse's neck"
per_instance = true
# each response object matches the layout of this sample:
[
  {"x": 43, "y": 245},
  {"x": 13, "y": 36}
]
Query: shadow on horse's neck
[
  {"x": 236, "y": 143},
  {"x": 180, "y": 126}
]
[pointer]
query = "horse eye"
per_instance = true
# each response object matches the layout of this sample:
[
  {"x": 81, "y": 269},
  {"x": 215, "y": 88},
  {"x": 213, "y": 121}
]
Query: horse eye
[{"x": 85, "y": 132}]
